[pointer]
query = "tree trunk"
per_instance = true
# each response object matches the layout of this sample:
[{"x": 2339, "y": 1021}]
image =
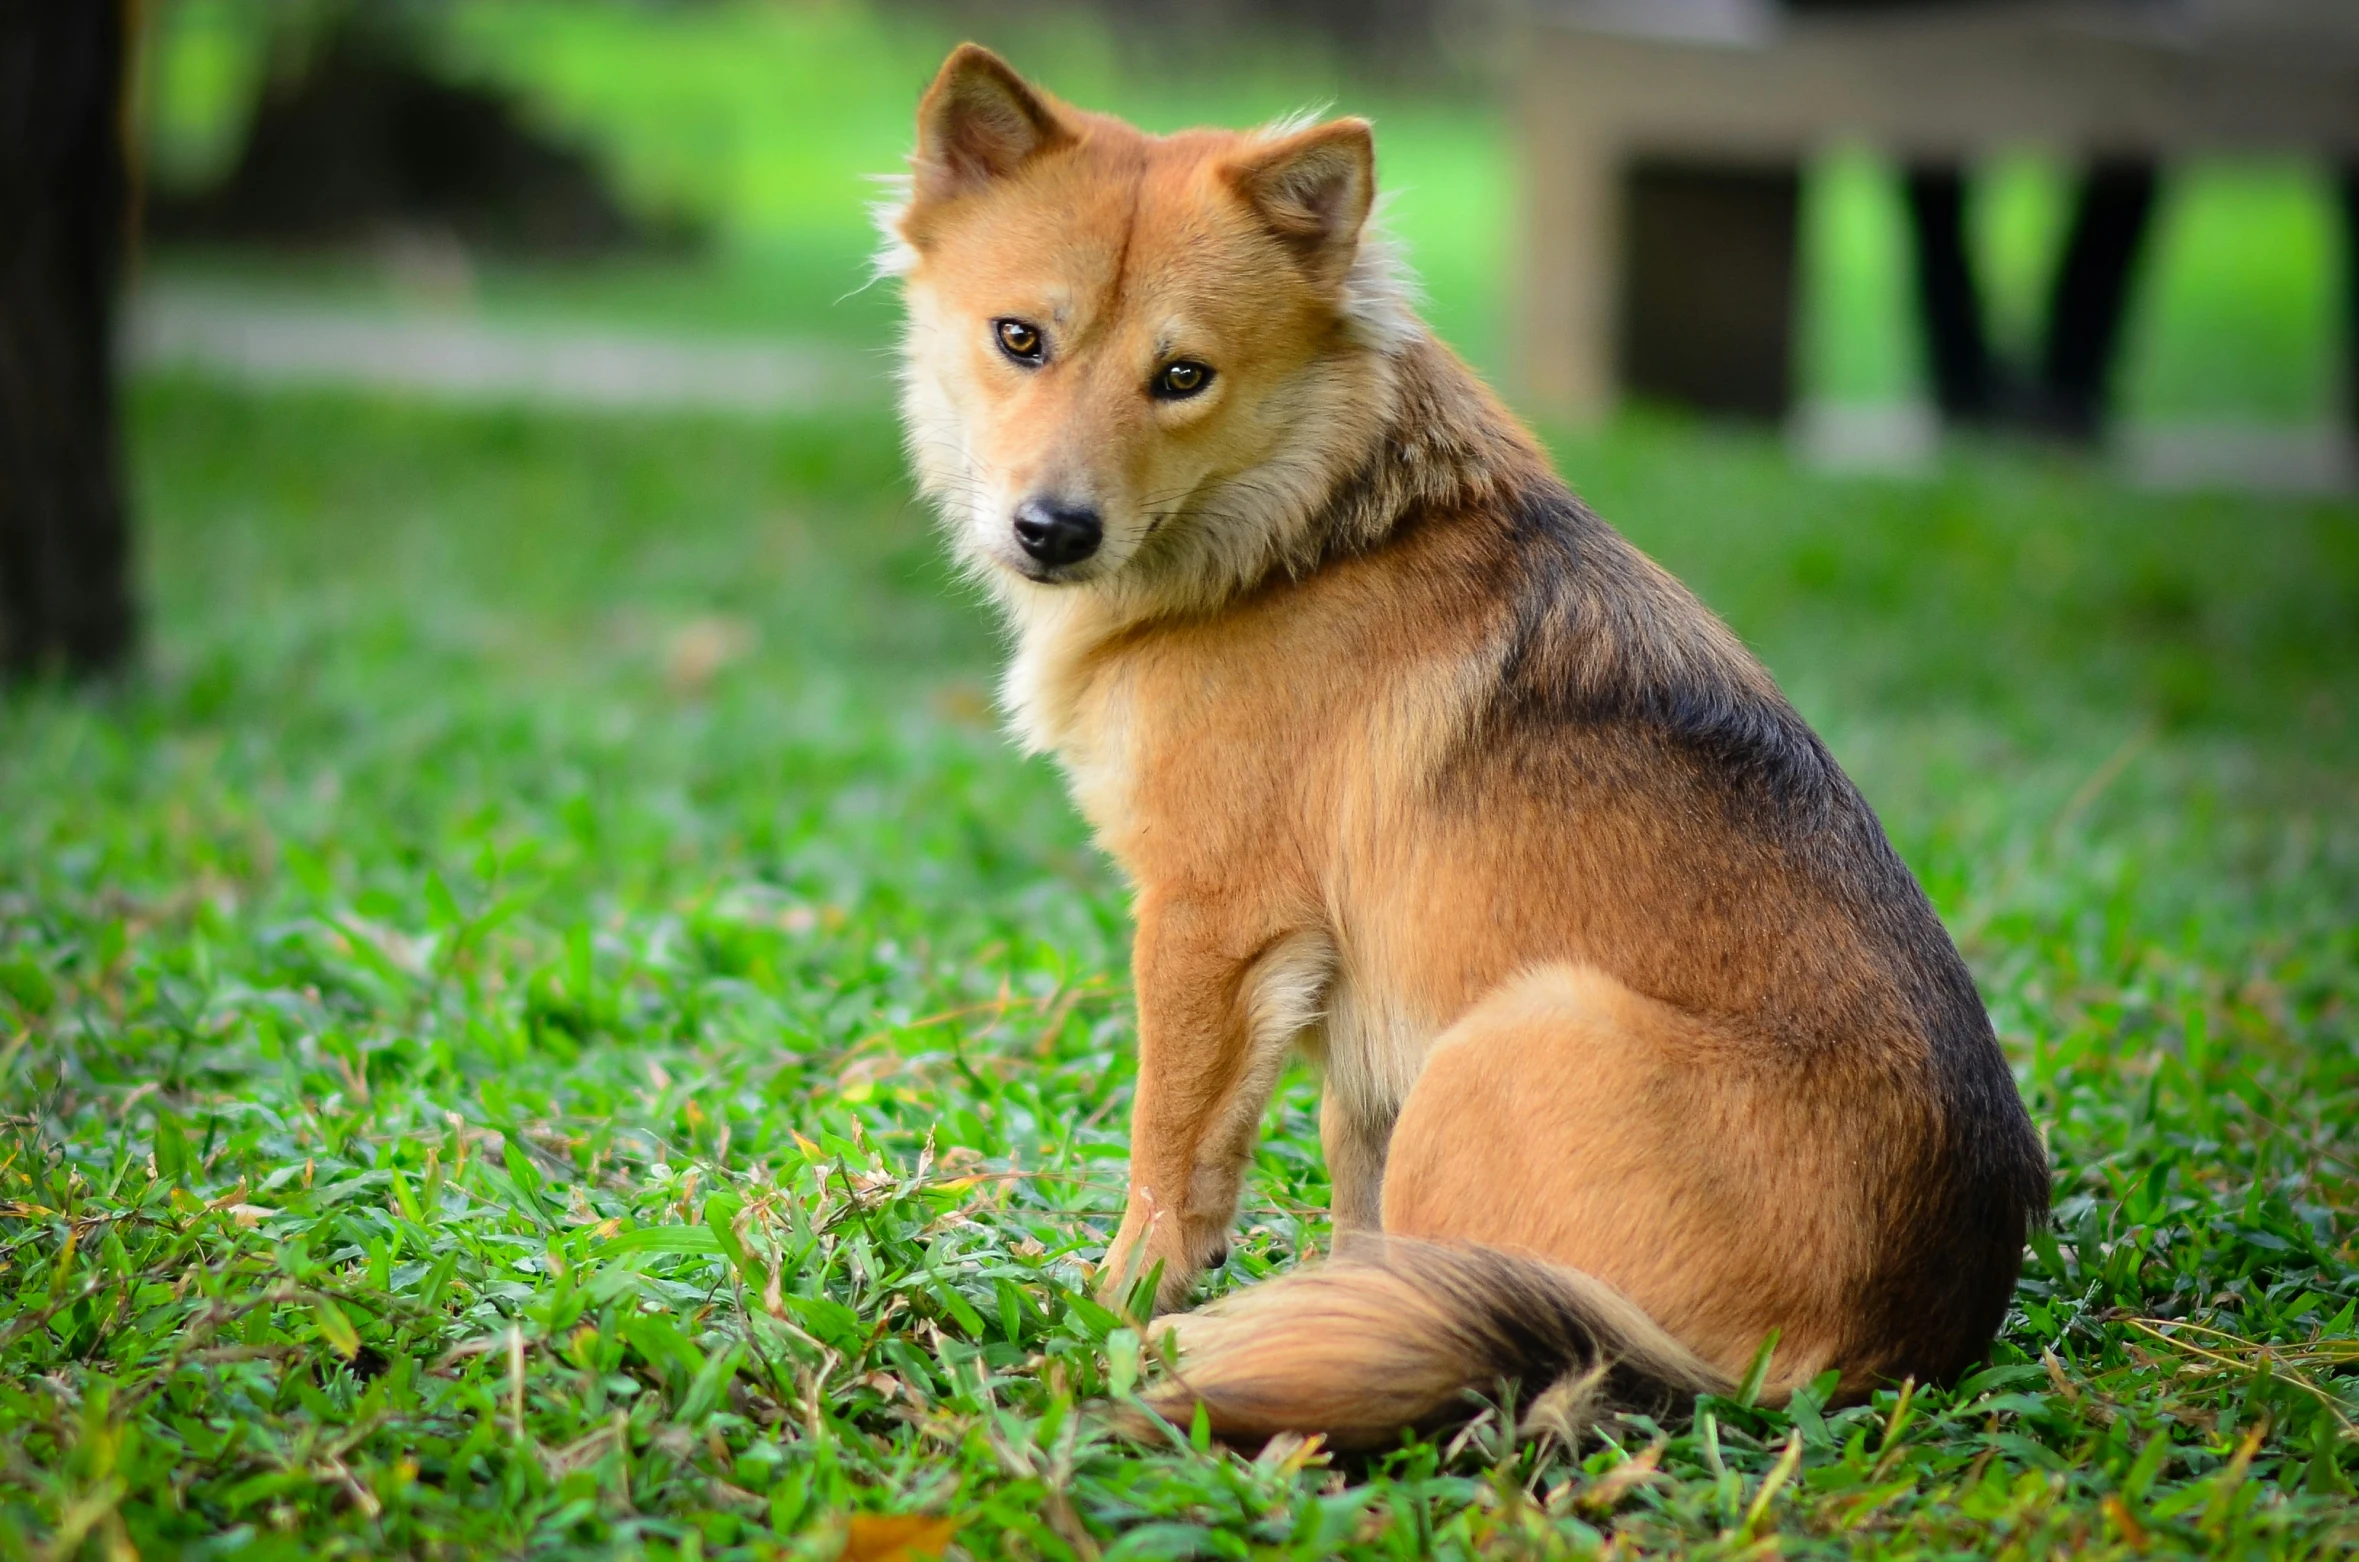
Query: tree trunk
[{"x": 65, "y": 594}]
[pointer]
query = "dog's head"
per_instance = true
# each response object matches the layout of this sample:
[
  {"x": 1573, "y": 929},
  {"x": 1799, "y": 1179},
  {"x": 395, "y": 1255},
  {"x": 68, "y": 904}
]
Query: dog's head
[{"x": 1134, "y": 364}]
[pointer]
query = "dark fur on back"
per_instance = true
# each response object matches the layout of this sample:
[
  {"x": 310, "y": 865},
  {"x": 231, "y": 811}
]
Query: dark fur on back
[{"x": 1601, "y": 637}]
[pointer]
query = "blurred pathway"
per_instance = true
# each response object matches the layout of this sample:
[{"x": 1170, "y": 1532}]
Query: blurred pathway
[
  {"x": 2226, "y": 455},
  {"x": 253, "y": 338}
]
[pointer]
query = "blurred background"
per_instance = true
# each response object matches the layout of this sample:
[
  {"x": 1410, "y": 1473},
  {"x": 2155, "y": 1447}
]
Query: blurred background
[
  {"x": 699, "y": 167},
  {"x": 448, "y": 143},
  {"x": 2121, "y": 226},
  {"x": 1983, "y": 358}
]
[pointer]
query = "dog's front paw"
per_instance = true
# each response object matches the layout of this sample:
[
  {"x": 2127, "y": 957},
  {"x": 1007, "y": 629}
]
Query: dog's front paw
[{"x": 1151, "y": 1235}]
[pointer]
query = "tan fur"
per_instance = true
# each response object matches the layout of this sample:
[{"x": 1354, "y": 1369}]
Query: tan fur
[
  {"x": 1378, "y": 1340},
  {"x": 1415, "y": 764}
]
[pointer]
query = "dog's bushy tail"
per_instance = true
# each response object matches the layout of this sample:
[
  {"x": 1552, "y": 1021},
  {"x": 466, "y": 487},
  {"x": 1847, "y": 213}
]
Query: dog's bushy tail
[{"x": 1393, "y": 1334}]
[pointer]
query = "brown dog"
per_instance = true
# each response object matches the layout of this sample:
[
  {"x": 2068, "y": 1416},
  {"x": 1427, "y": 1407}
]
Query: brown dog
[{"x": 1630, "y": 1016}]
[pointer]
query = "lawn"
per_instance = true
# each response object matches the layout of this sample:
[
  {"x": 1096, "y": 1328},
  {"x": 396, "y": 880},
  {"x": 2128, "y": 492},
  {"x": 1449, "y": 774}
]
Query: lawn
[{"x": 548, "y": 1021}]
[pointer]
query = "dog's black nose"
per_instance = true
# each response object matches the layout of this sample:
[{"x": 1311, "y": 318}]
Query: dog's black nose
[
  {"x": 1058, "y": 534},
  {"x": 1218, "y": 1257}
]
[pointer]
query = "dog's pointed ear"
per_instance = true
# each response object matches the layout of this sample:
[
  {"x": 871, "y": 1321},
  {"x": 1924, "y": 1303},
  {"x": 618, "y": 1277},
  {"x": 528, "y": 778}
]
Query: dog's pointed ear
[
  {"x": 978, "y": 122},
  {"x": 1313, "y": 190}
]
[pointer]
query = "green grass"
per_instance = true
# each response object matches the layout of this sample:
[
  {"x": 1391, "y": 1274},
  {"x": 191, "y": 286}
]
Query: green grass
[{"x": 480, "y": 1076}]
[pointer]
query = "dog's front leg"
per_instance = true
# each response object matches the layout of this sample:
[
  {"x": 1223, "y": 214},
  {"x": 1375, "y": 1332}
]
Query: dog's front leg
[{"x": 1218, "y": 1007}]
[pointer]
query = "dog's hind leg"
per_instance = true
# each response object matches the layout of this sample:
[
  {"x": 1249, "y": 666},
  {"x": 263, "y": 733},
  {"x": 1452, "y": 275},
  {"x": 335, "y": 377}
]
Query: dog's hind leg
[
  {"x": 1354, "y": 1142},
  {"x": 1569, "y": 1118}
]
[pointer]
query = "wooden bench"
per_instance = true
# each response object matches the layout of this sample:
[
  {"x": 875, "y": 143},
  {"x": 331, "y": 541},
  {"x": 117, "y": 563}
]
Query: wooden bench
[{"x": 1661, "y": 142}]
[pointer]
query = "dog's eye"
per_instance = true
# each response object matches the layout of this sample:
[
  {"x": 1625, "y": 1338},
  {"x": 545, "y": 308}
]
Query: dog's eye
[
  {"x": 1180, "y": 380},
  {"x": 1019, "y": 341}
]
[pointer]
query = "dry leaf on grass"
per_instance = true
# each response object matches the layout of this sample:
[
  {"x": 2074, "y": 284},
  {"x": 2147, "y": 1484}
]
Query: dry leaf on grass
[{"x": 895, "y": 1537}]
